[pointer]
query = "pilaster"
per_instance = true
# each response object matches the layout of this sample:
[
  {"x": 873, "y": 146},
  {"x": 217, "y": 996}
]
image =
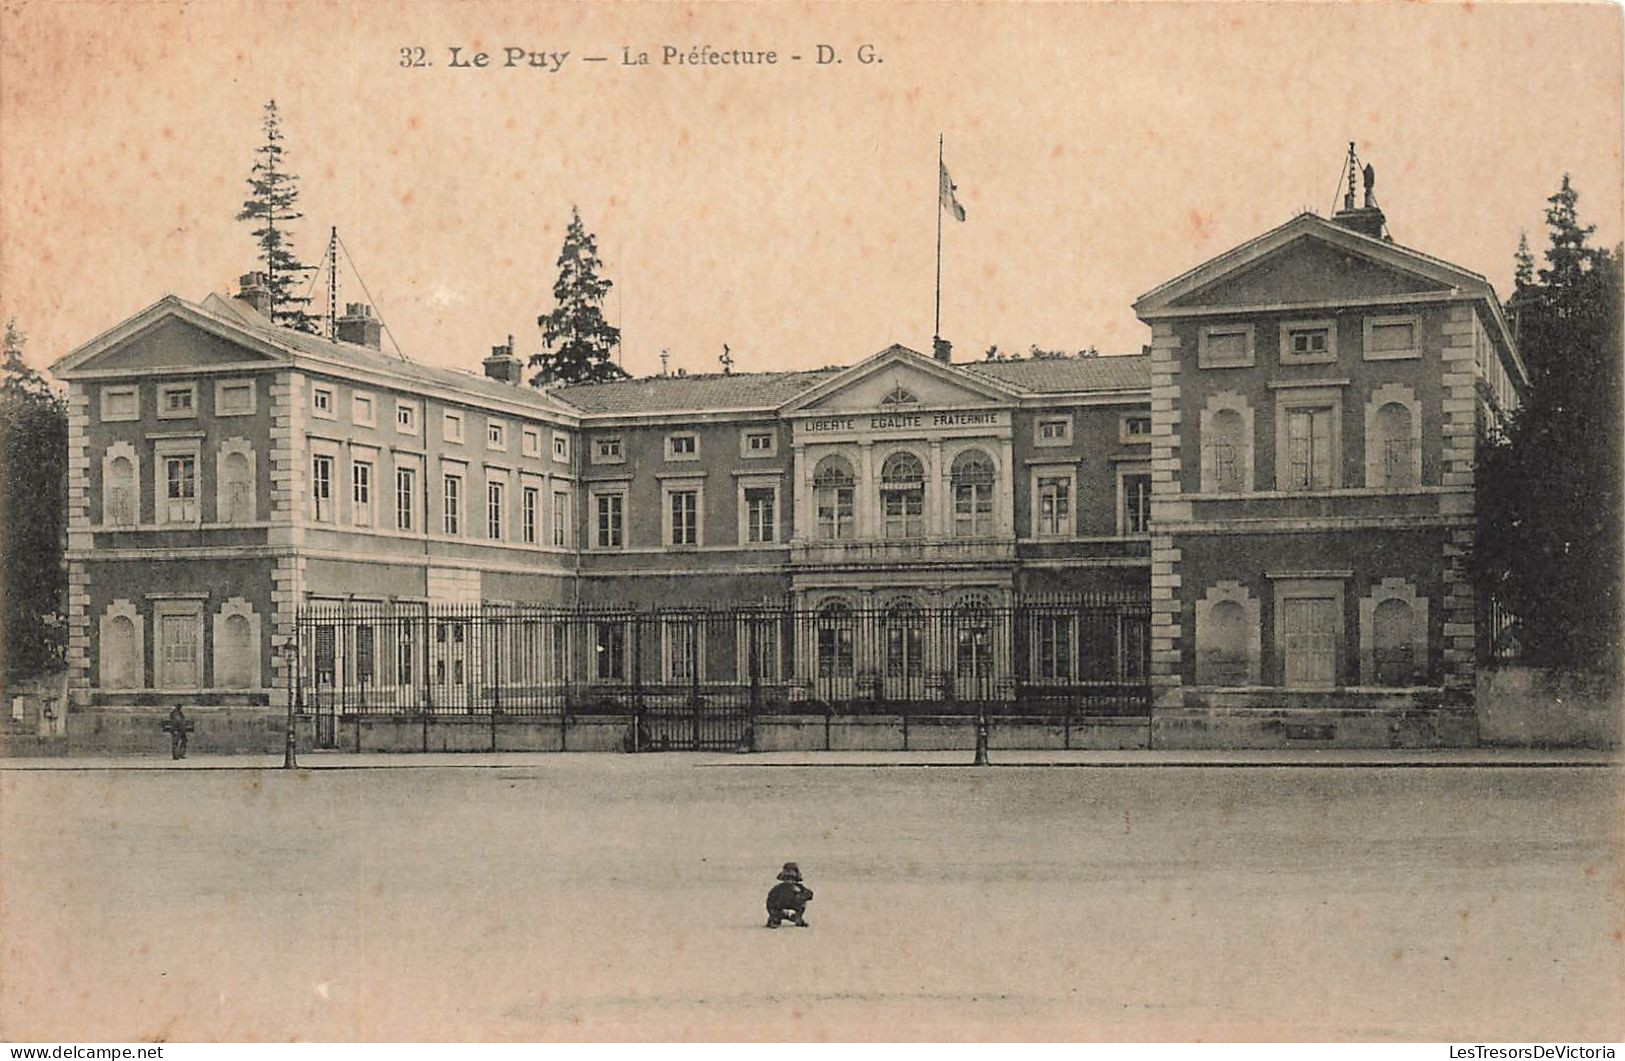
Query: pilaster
[{"x": 79, "y": 539}]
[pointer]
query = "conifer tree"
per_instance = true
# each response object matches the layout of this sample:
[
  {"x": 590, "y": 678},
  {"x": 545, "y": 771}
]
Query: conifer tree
[
  {"x": 271, "y": 206},
  {"x": 578, "y": 343},
  {"x": 33, "y": 496},
  {"x": 1549, "y": 496}
]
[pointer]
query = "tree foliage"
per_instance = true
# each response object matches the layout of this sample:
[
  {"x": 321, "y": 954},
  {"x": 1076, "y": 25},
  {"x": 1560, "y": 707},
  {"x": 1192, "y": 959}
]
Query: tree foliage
[
  {"x": 272, "y": 205},
  {"x": 33, "y": 511},
  {"x": 578, "y": 343},
  {"x": 1549, "y": 491}
]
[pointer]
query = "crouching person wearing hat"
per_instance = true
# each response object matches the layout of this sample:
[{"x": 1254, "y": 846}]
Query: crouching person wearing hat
[{"x": 789, "y": 898}]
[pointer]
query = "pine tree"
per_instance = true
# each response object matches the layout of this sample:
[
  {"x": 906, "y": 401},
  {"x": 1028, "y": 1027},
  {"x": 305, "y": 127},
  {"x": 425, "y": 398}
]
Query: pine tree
[
  {"x": 578, "y": 342},
  {"x": 1549, "y": 492},
  {"x": 33, "y": 496},
  {"x": 271, "y": 205},
  {"x": 1523, "y": 275}
]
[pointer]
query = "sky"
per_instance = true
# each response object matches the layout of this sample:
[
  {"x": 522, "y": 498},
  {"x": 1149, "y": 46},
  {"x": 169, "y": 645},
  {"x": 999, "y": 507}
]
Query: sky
[{"x": 789, "y": 210}]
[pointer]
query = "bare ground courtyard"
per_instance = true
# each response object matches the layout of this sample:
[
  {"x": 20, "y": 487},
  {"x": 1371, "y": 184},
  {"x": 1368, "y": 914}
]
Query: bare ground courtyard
[{"x": 602, "y": 896}]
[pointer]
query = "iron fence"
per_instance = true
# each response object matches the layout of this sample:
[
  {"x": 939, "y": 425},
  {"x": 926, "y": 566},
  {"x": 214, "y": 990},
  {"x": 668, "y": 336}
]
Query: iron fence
[{"x": 694, "y": 677}]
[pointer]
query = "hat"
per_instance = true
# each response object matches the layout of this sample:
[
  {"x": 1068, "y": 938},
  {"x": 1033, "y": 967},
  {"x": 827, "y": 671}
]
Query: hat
[{"x": 790, "y": 872}]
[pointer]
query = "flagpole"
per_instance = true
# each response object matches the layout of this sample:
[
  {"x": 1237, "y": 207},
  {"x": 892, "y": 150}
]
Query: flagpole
[{"x": 936, "y": 323}]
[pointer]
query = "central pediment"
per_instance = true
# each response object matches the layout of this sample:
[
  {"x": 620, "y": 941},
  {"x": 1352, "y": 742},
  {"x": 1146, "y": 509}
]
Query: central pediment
[{"x": 899, "y": 380}]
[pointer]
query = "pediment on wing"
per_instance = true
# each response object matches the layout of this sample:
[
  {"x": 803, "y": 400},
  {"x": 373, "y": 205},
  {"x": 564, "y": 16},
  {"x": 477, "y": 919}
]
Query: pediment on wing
[
  {"x": 168, "y": 335},
  {"x": 1308, "y": 260},
  {"x": 899, "y": 378}
]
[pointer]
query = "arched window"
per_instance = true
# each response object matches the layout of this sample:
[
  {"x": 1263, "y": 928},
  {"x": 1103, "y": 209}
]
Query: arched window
[
  {"x": 973, "y": 647},
  {"x": 120, "y": 507},
  {"x": 905, "y": 648},
  {"x": 1393, "y": 638},
  {"x": 902, "y": 496},
  {"x": 832, "y": 496},
  {"x": 972, "y": 476},
  {"x": 236, "y": 489},
  {"x": 233, "y": 655},
  {"x": 121, "y": 654},
  {"x": 1226, "y": 446},
  {"x": 1393, "y": 442},
  {"x": 834, "y": 637}
]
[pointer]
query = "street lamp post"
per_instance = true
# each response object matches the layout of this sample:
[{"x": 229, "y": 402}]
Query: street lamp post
[{"x": 290, "y": 745}]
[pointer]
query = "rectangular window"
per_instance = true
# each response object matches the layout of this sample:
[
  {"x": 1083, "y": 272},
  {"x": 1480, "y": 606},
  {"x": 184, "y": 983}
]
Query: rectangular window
[
  {"x": 451, "y": 428},
  {"x": 682, "y": 447},
  {"x": 561, "y": 518},
  {"x": 321, "y": 487},
  {"x": 759, "y": 444},
  {"x": 561, "y": 448},
  {"x": 609, "y": 651},
  {"x": 362, "y": 410},
  {"x": 1308, "y": 342},
  {"x": 607, "y": 451},
  {"x": 834, "y": 512},
  {"x": 406, "y": 491},
  {"x": 1309, "y": 448},
  {"x": 530, "y": 502},
  {"x": 683, "y": 655},
  {"x": 532, "y": 442},
  {"x": 321, "y": 402},
  {"x": 1135, "y": 430},
  {"x": 903, "y": 511},
  {"x": 759, "y": 514},
  {"x": 233, "y": 397},
  {"x": 1225, "y": 346},
  {"x": 1055, "y": 506},
  {"x": 180, "y": 489},
  {"x": 609, "y": 531},
  {"x": 496, "y": 435},
  {"x": 361, "y": 493},
  {"x": 454, "y": 504},
  {"x": 406, "y": 418},
  {"x": 1053, "y": 647},
  {"x": 495, "y": 496},
  {"x": 1053, "y": 431},
  {"x": 177, "y": 401},
  {"x": 1391, "y": 338},
  {"x": 1136, "y": 517},
  {"x": 685, "y": 517},
  {"x": 759, "y": 648},
  {"x": 121, "y": 403}
]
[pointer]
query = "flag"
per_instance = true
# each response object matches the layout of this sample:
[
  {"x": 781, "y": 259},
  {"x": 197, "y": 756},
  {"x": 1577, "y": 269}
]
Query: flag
[{"x": 946, "y": 192}]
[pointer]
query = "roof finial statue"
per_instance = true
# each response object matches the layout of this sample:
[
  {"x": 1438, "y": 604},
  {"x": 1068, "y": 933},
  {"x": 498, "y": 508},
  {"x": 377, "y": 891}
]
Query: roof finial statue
[
  {"x": 1370, "y": 183},
  {"x": 727, "y": 361},
  {"x": 1353, "y": 166},
  {"x": 665, "y": 355}
]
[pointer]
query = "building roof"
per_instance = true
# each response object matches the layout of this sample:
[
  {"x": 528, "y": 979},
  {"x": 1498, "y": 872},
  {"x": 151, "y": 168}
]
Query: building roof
[
  {"x": 1052, "y": 375},
  {"x": 664, "y": 394}
]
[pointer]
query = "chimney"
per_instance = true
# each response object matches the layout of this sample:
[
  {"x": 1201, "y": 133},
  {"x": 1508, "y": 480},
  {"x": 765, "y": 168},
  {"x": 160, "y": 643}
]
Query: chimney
[
  {"x": 252, "y": 289},
  {"x": 1366, "y": 219},
  {"x": 503, "y": 365},
  {"x": 360, "y": 327},
  {"x": 942, "y": 349}
]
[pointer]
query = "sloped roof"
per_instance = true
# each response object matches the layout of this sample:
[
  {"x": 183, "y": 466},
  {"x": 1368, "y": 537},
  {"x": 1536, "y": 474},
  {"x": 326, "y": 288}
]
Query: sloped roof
[
  {"x": 664, "y": 394},
  {"x": 1054, "y": 375},
  {"x": 238, "y": 312}
]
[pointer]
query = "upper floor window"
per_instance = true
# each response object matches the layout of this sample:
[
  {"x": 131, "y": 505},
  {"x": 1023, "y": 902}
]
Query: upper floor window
[
  {"x": 833, "y": 491},
  {"x": 180, "y": 488},
  {"x": 1134, "y": 429},
  {"x": 561, "y": 518},
  {"x": 1308, "y": 342},
  {"x": 608, "y": 450},
  {"x": 321, "y": 487},
  {"x": 406, "y": 418},
  {"x": 760, "y": 503},
  {"x": 529, "y": 514},
  {"x": 1052, "y": 431},
  {"x": 972, "y": 475},
  {"x": 900, "y": 395},
  {"x": 452, "y": 427},
  {"x": 496, "y": 434},
  {"x": 495, "y": 510},
  {"x": 561, "y": 447},
  {"x": 233, "y": 397},
  {"x": 902, "y": 496},
  {"x": 531, "y": 442},
  {"x": 1054, "y": 506},
  {"x": 1134, "y": 502},
  {"x": 363, "y": 410},
  {"x": 453, "y": 503},
  {"x": 758, "y": 444},
  {"x": 121, "y": 403},
  {"x": 321, "y": 402},
  {"x": 1225, "y": 346},
  {"x": 1391, "y": 338},
  {"x": 683, "y": 508},
  {"x": 609, "y": 516},
  {"x": 1310, "y": 448},
  {"x": 177, "y": 401},
  {"x": 684, "y": 447},
  {"x": 361, "y": 493},
  {"x": 405, "y": 496}
]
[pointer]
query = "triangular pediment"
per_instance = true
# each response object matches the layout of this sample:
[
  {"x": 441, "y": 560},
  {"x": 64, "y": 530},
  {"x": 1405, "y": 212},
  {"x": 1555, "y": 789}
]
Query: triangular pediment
[
  {"x": 898, "y": 378},
  {"x": 1308, "y": 260},
  {"x": 169, "y": 334}
]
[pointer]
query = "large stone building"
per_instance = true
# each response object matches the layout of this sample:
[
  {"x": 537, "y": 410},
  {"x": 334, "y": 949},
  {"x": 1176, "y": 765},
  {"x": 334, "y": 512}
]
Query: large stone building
[{"x": 1286, "y": 477}]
